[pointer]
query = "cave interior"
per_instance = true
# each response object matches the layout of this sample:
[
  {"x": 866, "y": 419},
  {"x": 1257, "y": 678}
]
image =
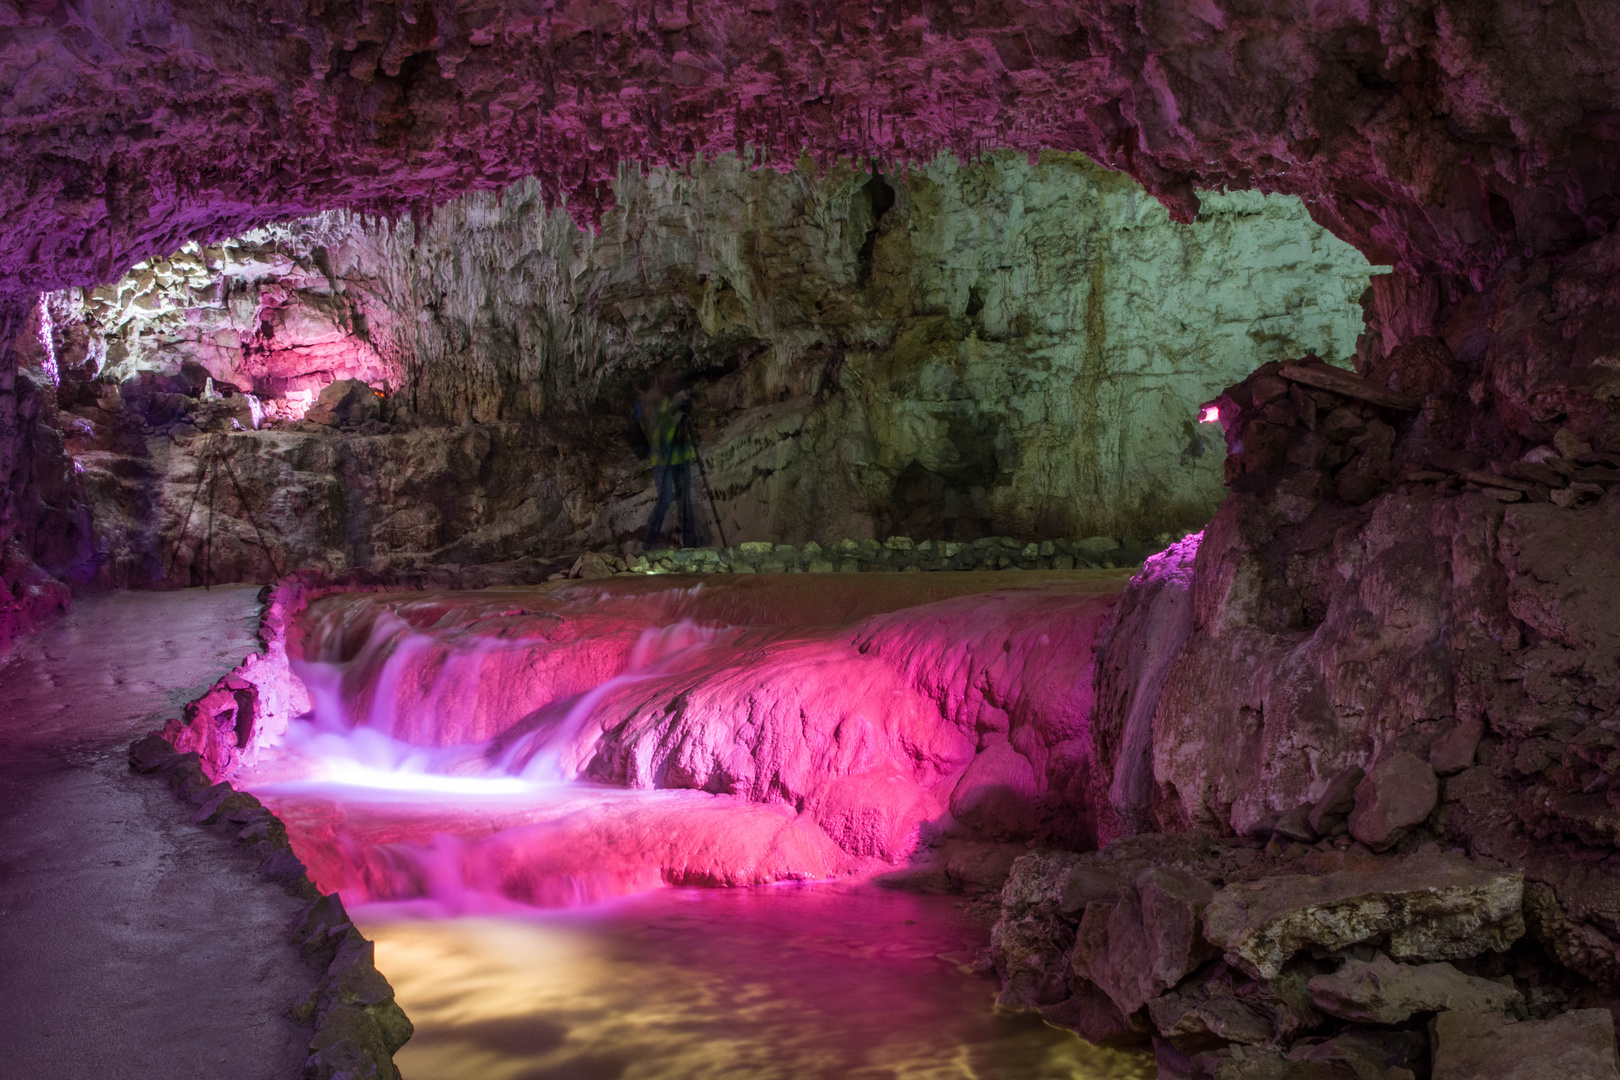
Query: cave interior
[{"x": 1138, "y": 476}]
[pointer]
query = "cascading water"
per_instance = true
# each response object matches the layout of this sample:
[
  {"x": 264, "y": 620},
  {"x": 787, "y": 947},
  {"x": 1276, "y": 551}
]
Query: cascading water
[
  {"x": 353, "y": 742},
  {"x": 480, "y": 756}
]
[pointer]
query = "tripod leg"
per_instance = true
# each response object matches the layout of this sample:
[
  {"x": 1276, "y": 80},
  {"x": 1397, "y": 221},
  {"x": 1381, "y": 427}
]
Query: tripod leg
[
  {"x": 703, "y": 474},
  {"x": 241, "y": 498},
  {"x": 185, "y": 522},
  {"x": 208, "y": 540}
]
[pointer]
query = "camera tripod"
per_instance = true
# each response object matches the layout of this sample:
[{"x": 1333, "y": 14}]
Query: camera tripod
[
  {"x": 703, "y": 474},
  {"x": 212, "y": 461}
]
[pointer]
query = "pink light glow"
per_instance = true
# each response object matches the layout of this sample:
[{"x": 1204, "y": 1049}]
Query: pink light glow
[
  {"x": 1210, "y": 415},
  {"x": 558, "y": 747}
]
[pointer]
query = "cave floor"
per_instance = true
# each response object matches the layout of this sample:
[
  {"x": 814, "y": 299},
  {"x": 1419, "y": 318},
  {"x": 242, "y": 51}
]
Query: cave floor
[{"x": 133, "y": 944}]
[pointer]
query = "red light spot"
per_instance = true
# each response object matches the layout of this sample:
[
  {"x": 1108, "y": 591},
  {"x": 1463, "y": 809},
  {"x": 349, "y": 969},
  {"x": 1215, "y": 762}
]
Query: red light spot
[{"x": 1210, "y": 415}]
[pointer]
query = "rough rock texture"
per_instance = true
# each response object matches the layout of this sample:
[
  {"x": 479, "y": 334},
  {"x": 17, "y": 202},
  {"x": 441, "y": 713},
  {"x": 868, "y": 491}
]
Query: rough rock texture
[
  {"x": 1430, "y": 907},
  {"x": 1380, "y": 991},
  {"x": 1147, "y": 940},
  {"x": 1401, "y": 636},
  {"x": 1423, "y": 580},
  {"x": 134, "y": 128},
  {"x": 1111, "y": 944},
  {"x": 1485, "y": 1046},
  {"x": 997, "y": 348},
  {"x": 1399, "y": 793}
]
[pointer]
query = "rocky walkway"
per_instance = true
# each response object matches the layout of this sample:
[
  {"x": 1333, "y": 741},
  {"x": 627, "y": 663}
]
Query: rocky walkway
[{"x": 133, "y": 944}]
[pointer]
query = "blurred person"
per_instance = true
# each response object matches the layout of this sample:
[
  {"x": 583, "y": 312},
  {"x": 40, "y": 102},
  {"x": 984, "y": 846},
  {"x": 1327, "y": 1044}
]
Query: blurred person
[{"x": 663, "y": 411}]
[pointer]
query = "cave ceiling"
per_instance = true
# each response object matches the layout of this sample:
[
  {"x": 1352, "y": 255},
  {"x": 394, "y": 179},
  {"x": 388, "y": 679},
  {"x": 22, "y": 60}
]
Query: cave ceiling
[{"x": 1442, "y": 136}]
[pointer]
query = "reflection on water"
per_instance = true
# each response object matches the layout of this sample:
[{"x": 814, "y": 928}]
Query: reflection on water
[{"x": 798, "y": 982}]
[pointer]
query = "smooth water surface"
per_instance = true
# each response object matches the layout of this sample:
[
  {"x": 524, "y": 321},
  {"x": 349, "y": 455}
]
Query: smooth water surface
[{"x": 800, "y": 982}]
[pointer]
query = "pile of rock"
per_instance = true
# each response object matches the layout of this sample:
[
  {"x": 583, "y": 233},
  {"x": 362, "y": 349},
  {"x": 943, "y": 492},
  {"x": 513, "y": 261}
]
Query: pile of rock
[
  {"x": 1566, "y": 473},
  {"x": 1242, "y": 961},
  {"x": 1340, "y": 431},
  {"x": 897, "y": 553}
]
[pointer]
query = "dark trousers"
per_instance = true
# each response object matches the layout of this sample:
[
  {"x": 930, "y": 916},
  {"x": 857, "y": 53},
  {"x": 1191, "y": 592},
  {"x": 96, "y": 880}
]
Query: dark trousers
[{"x": 674, "y": 483}]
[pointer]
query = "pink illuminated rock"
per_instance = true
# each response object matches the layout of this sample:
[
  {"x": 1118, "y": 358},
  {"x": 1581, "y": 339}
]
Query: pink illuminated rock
[
  {"x": 561, "y": 849},
  {"x": 832, "y": 727}
]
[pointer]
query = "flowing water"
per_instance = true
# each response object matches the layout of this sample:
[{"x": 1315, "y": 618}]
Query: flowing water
[{"x": 536, "y": 925}]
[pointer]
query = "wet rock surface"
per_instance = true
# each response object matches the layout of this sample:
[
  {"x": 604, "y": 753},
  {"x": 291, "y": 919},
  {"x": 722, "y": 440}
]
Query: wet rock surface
[{"x": 135, "y": 942}]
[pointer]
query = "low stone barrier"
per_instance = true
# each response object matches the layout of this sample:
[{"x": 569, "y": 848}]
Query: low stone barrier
[
  {"x": 896, "y": 554},
  {"x": 357, "y": 1024}
]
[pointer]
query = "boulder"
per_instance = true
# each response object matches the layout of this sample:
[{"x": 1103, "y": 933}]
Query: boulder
[
  {"x": 1336, "y": 802},
  {"x": 344, "y": 403},
  {"x": 1296, "y": 825},
  {"x": 591, "y": 565},
  {"x": 1429, "y": 906},
  {"x": 1148, "y": 941},
  {"x": 1221, "y": 1004},
  {"x": 1578, "y": 1045},
  {"x": 1381, "y": 991},
  {"x": 1400, "y": 792},
  {"x": 1089, "y": 1013}
]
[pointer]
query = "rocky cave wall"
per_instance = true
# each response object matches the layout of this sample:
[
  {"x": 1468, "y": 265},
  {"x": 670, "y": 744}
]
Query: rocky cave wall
[
  {"x": 1000, "y": 349},
  {"x": 1407, "y": 582},
  {"x": 1395, "y": 639},
  {"x": 1444, "y": 136}
]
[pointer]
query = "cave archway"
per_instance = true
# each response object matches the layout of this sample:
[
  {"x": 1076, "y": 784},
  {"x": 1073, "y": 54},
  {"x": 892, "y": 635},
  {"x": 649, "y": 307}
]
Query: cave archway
[{"x": 1396, "y": 633}]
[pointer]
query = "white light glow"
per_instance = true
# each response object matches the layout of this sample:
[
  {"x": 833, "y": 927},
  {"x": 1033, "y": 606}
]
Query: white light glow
[
  {"x": 1210, "y": 415},
  {"x": 47, "y": 340},
  {"x": 354, "y": 774}
]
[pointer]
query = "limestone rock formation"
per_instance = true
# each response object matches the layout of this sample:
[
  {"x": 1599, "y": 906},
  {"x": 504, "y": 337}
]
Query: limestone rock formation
[
  {"x": 1428, "y": 906},
  {"x": 1485, "y": 1046},
  {"x": 1287, "y": 971},
  {"x": 124, "y": 147},
  {"x": 1410, "y": 578},
  {"x": 864, "y": 370},
  {"x": 1382, "y": 992},
  {"x": 1399, "y": 639}
]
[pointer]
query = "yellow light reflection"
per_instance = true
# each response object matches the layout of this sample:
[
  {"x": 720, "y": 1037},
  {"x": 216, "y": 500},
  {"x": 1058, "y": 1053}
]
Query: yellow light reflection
[{"x": 755, "y": 984}]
